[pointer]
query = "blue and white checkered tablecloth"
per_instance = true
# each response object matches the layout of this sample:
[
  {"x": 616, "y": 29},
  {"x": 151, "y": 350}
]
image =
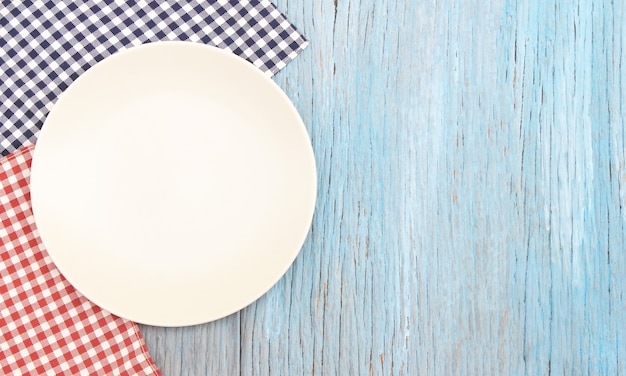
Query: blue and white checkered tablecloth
[{"x": 46, "y": 45}]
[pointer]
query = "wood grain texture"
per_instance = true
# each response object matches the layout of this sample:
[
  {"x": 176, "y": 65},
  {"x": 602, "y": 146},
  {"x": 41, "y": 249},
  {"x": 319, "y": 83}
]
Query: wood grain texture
[
  {"x": 472, "y": 188},
  {"x": 208, "y": 349}
]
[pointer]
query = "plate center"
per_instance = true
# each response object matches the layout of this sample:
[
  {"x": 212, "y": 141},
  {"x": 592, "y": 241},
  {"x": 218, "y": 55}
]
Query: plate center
[{"x": 189, "y": 167}]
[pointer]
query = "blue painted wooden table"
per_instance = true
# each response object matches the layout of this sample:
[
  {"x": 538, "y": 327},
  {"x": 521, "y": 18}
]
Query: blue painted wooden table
[{"x": 472, "y": 191}]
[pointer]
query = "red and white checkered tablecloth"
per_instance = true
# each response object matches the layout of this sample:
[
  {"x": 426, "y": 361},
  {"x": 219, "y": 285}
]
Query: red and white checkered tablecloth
[{"x": 46, "y": 326}]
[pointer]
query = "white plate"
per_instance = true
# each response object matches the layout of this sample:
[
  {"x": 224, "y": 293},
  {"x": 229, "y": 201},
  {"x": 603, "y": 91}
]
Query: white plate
[{"x": 173, "y": 183}]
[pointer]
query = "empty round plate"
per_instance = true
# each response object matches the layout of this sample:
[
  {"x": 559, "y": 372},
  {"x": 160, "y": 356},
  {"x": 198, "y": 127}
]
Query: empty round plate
[{"x": 173, "y": 183}]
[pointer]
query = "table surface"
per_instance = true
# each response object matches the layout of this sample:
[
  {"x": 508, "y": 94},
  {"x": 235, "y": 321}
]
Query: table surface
[{"x": 472, "y": 189}]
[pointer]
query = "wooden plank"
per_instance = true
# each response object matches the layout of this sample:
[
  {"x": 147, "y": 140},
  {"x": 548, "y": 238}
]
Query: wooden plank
[
  {"x": 208, "y": 349},
  {"x": 471, "y": 215}
]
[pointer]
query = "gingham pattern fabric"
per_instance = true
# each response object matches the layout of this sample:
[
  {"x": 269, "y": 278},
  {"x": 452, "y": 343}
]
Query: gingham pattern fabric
[
  {"x": 46, "y": 327},
  {"x": 46, "y": 45}
]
